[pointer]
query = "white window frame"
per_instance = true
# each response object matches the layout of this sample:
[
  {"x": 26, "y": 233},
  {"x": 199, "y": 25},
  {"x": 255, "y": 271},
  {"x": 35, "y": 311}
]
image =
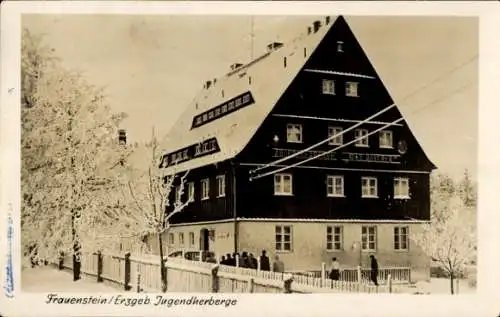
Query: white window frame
[
  {"x": 171, "y": 239},
  {"x": 280, "y": 238},
  {"x": 190, "y": 187},
  {"x": 205, "y": 189},
  {"x": 293, "y": 130},
  {"x": 191, "y": 239},
  {"x": 328, "y": 87},
  {"x": 334, "y": 238},
  {"x": 221, "y": 185},
  {"x": 339, "y": 140},
  {"x": 400, "y": 236},
  {"x": 385, "y": 135},
  {"x": 365, "y": 141},
  {"x": 331, "y": 186},
  {"x": 401, "y": 190},
  {"x": 351, "y": 89},
  {"x": 367, "y": 182},
  {"x": 181, "y": 239},
  {"x": 279, "y": 184},
  {"x": 369, "y": 238}
]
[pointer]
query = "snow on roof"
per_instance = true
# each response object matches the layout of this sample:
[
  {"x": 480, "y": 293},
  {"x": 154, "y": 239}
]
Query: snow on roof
[{"x": 266, "y": 77}]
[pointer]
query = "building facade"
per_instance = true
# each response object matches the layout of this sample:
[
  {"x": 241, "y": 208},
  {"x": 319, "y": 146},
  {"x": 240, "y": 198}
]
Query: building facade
[{"x": 346, "y": 186}]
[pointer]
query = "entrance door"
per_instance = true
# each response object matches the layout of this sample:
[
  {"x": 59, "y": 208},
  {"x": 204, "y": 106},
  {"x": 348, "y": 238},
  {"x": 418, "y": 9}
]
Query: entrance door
[{"x": 204, "y": 240}]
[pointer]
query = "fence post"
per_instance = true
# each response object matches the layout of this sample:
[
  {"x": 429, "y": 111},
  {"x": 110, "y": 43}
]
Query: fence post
[
  {"x": 409, "y": 275},
  {"x": 201, "y": 256},
  {"x": 359, "y": 273},
  {"x": 250, "y": 285},
  {"x": 287, "y": 283},
  {"x": 323, "y": 273},
  {"x": 61, "y": 260},
  {"x": 237, "y": 260},
  {"x": 389, "y": 282},
  {"x": 126, "y": 283},
  {"x": 138, "y": 278},
  {"x": 99, "y": 266},
  {"x": 215, "y": 278},
  {"x": 258, "y": 264}
]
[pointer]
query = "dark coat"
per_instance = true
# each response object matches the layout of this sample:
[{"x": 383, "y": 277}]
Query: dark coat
[{"x": 264, "y": 263}]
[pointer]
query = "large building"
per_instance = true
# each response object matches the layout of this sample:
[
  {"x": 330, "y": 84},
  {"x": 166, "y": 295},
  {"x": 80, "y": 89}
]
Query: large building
[{"x": 364, "y": 198}]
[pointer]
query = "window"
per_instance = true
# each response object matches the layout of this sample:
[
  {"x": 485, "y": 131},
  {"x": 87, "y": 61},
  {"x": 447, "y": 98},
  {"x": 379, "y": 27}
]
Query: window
[
  {"x": 401, "y": 238},
  {"x": 221, "y": 186},
  {"x": 368, "y": 238},
  {"x": 351, "y": 89},
  {"x": 338, "y": 140},
  {"x": 283, "y": 184},
  {"x": 340, "y": 47},
  {"x": 328, "y": 87},
  {"x": 283, "y": 238},
  {"x": 335, "y": 186},
  {"x": 181, "y": 239},
  {"x": 369, "y": 187},
  {"x": 294, "y": 133},
  {"x": 171, "y": 238},
  {"x": 401, "y": 188},
  {"x": 361, "y": 137},
  {"x": 191, "y": 239},
  {"x": 334, "y": 238},
  {"x": 237, "y": 102},
  {"x": 190, "y": 191},
  {"x": 205, "y": 189},
  {"x": 385, "y": 139},
  {"x": 224, "y": 108}
]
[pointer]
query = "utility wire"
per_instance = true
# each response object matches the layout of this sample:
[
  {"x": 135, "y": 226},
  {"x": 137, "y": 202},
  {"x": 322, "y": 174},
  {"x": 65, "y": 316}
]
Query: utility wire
[
  {"x": 446, "y": 74},
  {"x": 360, "y": 138}
]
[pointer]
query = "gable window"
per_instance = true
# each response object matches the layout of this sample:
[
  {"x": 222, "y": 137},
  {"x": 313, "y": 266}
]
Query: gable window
[
  {"x": 369, "y": 187},
  {"x": 171, "y": 239},
  {"x": 368, "y": 238},
  {"x": 340, "y": 46},
  {"x": 328, "y": 87},
  {"x": 294, "y": 133},
  {"x": 181, "y": 239},
  {"x": 191, "y": 239},
  {"x": 190, "y": 187},
  {"x": 221, "y": 186},
  {"x": 361, "y": 137},
  {"x": 351, "y": 89},
  {"x": 205, "y": 188},
  {"x": 334, "y": 238},
  {"x": 335, "y": 186},
  {"x": 283, "y": 238},
  {"x": 339, "y": 139},
  {"x": 401, "y": 188},
  {"x": 401, "y": 238},
  {"x": 385, "y": 139},
  {"x": 283, "y": 184}
]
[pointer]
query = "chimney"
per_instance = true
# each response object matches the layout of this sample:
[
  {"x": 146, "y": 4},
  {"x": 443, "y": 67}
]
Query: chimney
[
  {"x": 122, "y": 137},
  {"x": 316, "y": 25}
]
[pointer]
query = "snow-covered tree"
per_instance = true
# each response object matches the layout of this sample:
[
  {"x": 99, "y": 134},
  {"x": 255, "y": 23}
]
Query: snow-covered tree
[
  {"x": 450, "y": 238},
  {"x": 150, "y": 196},
  {"x": 467, "y": 190},
  {"x": 69, "y": 141}
]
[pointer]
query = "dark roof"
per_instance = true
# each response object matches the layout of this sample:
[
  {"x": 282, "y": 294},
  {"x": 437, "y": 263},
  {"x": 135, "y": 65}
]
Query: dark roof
[{"x": 266, "y": 78}]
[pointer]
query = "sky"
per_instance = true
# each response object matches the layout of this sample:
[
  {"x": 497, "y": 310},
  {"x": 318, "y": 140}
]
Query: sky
[{"x": 153, "y": 65}]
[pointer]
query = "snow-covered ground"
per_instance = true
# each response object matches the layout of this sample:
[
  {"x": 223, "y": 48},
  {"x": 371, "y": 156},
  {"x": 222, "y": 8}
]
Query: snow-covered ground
[
  {"x": 49, "y": 279},
  {"x": 441, "y": 286}
]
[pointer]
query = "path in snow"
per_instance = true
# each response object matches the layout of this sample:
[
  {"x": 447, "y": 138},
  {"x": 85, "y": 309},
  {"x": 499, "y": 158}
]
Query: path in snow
[{"x": 49, "y": 279}]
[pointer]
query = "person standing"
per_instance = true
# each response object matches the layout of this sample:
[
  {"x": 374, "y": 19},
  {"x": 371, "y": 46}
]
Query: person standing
[
  {"x": 264, "y": 262},
  {"x": 278, "y": 265},
  {"x": 374, "y": 270},
  {"x": 252, "y": 261},
  {"x": 335, "y": 270}
]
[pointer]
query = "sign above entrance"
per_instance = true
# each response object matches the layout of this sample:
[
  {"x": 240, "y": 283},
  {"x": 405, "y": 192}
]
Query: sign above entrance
[{"x": 343, "y": 156}]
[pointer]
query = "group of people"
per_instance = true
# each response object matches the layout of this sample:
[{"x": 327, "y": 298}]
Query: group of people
[
  {"x": 249, "y": 261},
  {"x": 335, "y": 270}
]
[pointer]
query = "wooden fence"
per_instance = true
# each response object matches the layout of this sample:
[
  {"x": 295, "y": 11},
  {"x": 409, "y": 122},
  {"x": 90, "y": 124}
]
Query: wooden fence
[{"x": 142, "y": 274}]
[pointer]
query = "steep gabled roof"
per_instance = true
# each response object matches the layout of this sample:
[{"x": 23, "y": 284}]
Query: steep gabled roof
[{"x": 266, "y": 78}]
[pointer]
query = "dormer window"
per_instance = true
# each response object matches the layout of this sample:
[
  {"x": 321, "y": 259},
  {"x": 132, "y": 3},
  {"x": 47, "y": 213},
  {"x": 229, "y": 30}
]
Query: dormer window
[
  {"x": 328, "y": 87},
  {"x": 294, "y": 133},
  {"x": 351, "y": 89},
  {"x": 340, "y": 46}
]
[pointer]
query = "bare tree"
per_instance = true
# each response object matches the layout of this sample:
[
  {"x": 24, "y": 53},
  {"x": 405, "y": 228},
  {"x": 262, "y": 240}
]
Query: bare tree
[
  {"x": 152, "y": 197},
  {"x": 451, "y": 237}
]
